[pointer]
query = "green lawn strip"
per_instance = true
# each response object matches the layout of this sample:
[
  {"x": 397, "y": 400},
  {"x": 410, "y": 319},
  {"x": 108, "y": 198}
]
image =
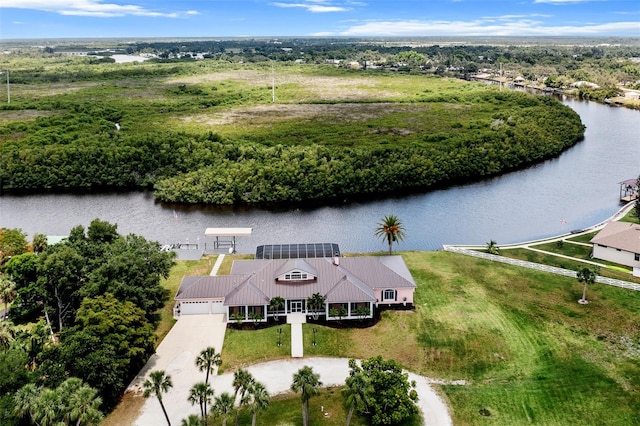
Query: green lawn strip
[
  {"x": 631, "y": 216},
  {"x": 584, "y": 238},
  {"x": 571, "y": 250},
  {"x": 574, "y": 265},
  {"x": 286, "y": 409}
]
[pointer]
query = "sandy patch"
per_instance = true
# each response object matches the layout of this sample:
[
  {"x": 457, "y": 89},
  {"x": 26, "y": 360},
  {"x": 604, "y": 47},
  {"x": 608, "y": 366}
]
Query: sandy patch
[
  {"x": 25, "y": 114},
  {"x": 266, "y": 114},
  {"x": 317, "y": 87}
]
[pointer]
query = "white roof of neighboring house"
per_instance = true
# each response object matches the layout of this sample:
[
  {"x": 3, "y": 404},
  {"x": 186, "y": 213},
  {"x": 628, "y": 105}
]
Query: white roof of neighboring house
[{"x": 620, "y": 235}]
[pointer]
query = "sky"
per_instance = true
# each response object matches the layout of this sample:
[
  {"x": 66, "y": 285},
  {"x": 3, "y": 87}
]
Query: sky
[{"x": 50, "y": 19}]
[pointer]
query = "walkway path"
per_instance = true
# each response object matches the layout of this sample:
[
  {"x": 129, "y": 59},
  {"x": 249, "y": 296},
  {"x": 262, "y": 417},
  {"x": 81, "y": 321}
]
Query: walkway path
[{"x": 216, "y": 266}]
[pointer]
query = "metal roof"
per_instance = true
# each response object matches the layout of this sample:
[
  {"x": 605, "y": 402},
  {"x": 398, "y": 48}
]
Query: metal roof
[
  {"x": 253, "y": 282},
  {"x": 296, "y": 251},
  {"x": 228, "y": 232}
]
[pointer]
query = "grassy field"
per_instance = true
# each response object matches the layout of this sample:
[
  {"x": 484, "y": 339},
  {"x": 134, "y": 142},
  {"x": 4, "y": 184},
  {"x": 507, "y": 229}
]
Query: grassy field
[{"x": 530, "y": 354}]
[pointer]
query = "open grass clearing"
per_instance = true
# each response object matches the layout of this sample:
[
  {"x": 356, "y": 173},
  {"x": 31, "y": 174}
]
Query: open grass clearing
[{"x": 526, "y": 349}]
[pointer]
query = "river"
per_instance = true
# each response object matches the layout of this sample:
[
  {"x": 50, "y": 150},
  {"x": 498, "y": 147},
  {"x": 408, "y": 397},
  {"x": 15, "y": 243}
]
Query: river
[{"x": 575, "y": 190}]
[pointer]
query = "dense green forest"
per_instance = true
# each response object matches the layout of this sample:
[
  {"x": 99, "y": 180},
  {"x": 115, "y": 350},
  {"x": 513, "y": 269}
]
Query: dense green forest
[
  {"x": 331, "y": 134},
  {"x": 84, "y": 308}
]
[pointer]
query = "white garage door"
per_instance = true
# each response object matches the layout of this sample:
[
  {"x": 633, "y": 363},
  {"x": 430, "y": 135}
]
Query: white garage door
[
  {"x": 217, "y": 307},
  {"x": 194, "y": 308}
]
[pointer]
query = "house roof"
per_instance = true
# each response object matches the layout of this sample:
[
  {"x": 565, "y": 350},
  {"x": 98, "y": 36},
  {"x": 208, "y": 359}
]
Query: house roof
[
  {"x": 620, "y": 235},
  {"x": 253, "y": 282},
  {"x": 298, "y": 265}
]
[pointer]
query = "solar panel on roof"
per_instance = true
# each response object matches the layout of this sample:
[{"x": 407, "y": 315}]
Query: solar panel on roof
[{"x": 297, "y": 251}]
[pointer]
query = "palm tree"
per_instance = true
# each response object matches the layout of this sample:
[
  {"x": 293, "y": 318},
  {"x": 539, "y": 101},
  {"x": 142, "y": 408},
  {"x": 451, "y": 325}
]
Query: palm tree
[
  {"x": 275, "y": 305},
  {"x": 492, "y": 247},
  {"x": 157, "y": 384},
  {"x": 85, "y": 404},
  {"x": 259, "y": 400},
  {"x": 25, "y": 399},
  {"x": 307, "y": 383},
  {"x": 7, "y": 291},
  {"x": 224, "y": 406},
  {"x": 391, "y": 230},
  {"x": 39, "y": 243},
  {"x": 587, "y": 276},
  {"x": 6, "y": 334},
  {"x": 192, "y": 420},
  {"x": 208, "y": 360},
  {"x": 201, "y": 393},
  {"x": 315, "y": 303},
  {"x": 48, "y": 408},
  {"x": 242, "y": 382},
  {"x": 357, "y": 392}
]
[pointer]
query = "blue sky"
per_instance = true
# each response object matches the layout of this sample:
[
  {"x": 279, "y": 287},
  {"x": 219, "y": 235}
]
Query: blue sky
[{"x": 235, "y": 18}]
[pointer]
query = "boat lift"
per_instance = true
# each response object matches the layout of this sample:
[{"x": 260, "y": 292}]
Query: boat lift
[{"x": 226, "y": 237}]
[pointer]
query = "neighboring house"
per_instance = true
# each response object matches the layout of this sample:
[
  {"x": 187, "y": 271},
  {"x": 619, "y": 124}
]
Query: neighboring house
[
  {"x": 353, "y": 285},
  {"x": 619, "y": 242}
]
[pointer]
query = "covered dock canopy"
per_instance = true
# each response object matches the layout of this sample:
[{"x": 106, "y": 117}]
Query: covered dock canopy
[
  {"x": 228, "y": 234},
  {"x": 628, "y": 190}
]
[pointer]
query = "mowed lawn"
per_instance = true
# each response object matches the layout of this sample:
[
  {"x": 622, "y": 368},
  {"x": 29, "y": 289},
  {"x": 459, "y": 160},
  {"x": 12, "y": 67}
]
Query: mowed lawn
[{"x": 529, "y": 353}]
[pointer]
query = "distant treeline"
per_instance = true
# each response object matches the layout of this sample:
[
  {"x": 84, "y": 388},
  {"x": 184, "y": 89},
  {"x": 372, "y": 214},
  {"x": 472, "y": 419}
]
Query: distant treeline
[{"x": 82, "y": 148}]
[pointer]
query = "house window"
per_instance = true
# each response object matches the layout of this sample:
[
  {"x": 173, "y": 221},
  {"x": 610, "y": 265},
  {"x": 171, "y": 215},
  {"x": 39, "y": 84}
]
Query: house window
[
  {"x": 637, "y": 257},
  {"x": 295, "y": 276},
  {"x": 389, "y": 294}
]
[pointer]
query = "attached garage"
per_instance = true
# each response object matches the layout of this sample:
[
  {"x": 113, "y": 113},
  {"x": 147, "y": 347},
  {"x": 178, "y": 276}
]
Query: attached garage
[
  {"x": 205, "y": 307},
  {"x": 194, "y": 308}
]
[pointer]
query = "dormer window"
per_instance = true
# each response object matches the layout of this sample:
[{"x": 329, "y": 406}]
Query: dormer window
[{"x": 295, "y": 276}]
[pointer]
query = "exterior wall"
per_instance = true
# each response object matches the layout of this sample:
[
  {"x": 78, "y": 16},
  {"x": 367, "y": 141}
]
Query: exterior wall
[
  {"x": 611, "y": 254},
  {"x": 401, "y": 293}
]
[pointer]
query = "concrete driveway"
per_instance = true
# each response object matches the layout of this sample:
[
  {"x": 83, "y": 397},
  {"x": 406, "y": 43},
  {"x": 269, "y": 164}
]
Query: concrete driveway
[{"x": 176, "y": 355}]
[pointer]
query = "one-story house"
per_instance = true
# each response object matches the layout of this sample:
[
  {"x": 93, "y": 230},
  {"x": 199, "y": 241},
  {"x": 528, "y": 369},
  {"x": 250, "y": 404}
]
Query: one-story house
[
  {"x": 619, "y": 242},
  {"x": 352, "y": 287}
]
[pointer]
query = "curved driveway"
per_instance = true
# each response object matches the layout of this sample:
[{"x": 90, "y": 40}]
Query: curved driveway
[{"x": 277, "y": 377}]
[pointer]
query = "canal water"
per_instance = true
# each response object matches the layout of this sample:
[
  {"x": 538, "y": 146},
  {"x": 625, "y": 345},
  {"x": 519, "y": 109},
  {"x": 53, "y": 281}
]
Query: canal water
[{"x": 574, "y": 191}]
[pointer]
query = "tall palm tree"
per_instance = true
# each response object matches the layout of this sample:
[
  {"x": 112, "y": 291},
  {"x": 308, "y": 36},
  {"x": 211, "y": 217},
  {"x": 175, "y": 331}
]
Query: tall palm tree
[
  {"x": 223, "y": 406},
  {"x": 391, "y": 230},
  {"x": 259, "y": 400},
  {"x": 85, "y": 406},
  {"x": 208, "y": 360},
  {"x": 315, "y": 303},
  {"x": 157, "y": 384},
  {"x": 7, "y": 291},
  {"x": 242, "y": 382},
  {"x": 201, "y": 393},
  {"x": 307, "y": 383},
  {"x": 276, "y": 304},
  {"x": 357, "y": 392},
  {"x": 587, "y": 276}
]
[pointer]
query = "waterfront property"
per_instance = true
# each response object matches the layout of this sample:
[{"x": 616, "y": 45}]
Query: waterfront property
[
  {"x": 352, "y": 288},
  {"x": 619, "y": 242}
]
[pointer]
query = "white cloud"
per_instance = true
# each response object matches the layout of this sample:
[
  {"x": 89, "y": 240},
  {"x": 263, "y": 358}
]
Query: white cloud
[
  {"x": 315, "y": 6},
  {"x": 482, "y": 27},
  {"x": 94, "y": 8}
]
